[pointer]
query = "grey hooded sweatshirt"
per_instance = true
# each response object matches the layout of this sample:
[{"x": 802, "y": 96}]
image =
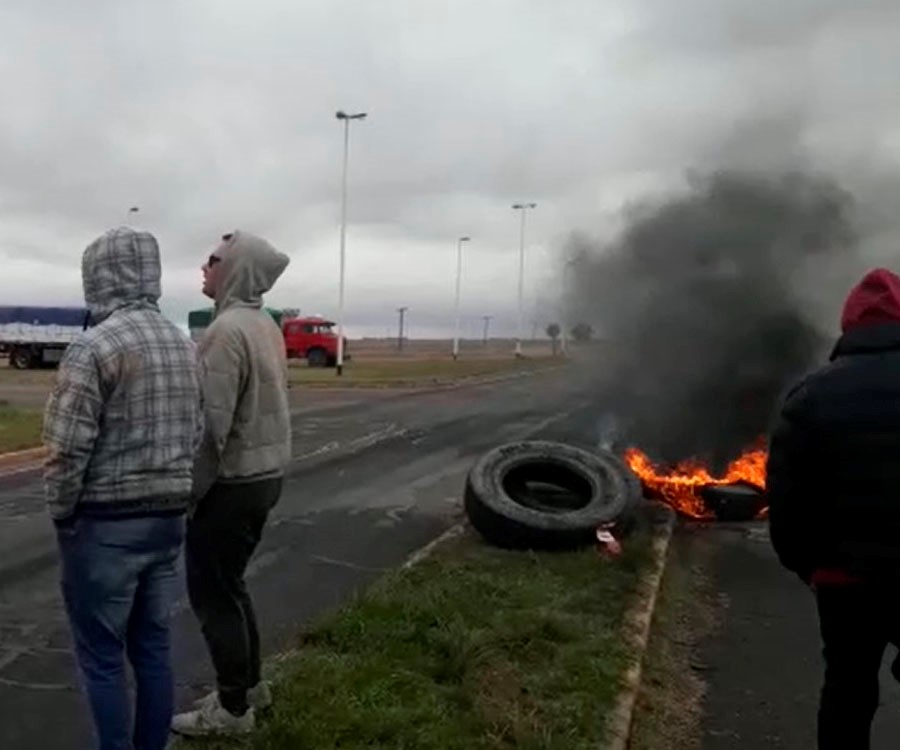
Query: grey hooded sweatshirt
[
  {"x": 124, "y": 420},
  {"x": 244, "y": 366}
]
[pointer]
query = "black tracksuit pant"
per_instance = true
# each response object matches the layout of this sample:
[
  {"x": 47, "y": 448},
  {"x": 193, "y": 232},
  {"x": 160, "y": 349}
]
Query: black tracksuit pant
[
  {"x": 857, "y": 622},
  {"x": 222, "y": 535}
]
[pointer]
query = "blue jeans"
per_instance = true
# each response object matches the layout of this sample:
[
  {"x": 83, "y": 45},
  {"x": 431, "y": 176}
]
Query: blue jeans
[{"x": 118, "y": 583}]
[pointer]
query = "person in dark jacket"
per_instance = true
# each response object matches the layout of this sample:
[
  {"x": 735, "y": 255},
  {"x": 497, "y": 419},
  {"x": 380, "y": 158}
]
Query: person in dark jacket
[{"x": 833, "y": 482}]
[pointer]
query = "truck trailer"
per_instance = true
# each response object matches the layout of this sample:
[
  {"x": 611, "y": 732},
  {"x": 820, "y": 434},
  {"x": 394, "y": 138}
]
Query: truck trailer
[{"x": 38, "y": 336}]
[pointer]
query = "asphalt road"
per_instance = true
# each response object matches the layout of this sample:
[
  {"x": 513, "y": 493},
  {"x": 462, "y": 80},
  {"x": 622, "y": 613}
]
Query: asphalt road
[
  {"x": 762, "y": 663},
  {"x": 375, "y": 477}
]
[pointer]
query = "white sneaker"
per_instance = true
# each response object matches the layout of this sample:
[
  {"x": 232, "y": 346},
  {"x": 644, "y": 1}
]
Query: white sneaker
[
  {"x": 211, "y": 720},
  {"x": 258, "y": 697}
]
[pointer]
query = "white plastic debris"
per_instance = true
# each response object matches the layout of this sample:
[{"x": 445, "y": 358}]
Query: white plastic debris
[{"x": 607, "y": 544}]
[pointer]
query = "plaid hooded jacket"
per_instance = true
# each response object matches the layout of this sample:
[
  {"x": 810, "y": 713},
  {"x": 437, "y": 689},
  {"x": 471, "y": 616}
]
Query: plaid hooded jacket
[{"x": 124, "y": 420}]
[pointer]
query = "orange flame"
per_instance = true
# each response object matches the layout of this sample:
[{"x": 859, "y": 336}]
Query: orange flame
[{"x": 680, "y": 487}]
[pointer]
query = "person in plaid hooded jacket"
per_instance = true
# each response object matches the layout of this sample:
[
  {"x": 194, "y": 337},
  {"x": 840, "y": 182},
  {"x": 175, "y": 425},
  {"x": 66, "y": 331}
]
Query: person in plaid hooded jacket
[{"x": 123, "y": 426}]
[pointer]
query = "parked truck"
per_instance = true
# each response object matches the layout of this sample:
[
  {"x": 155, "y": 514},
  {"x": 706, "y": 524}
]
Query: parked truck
[
  {"x": 38, "y": 336},
  {"x": 311, "y": 338}
]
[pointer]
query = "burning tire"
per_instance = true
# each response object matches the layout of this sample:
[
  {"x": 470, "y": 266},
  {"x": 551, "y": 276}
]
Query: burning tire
[
  {"x": 543, "y": 495},
  {"x": 734, "y": 502}
]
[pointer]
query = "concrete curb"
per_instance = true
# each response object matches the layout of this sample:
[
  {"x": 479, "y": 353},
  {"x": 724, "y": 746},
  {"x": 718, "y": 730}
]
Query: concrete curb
[
  {"x": 273, "y": 661},
  {"x": 423, "y": 553},
  {"x": 24, "y": 454},
  {"x": 636, "y": 631},
  {"x": 10, "y": 462}
]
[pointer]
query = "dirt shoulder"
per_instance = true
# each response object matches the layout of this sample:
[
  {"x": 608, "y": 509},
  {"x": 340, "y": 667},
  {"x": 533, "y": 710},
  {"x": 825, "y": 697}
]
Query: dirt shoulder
[{"x": 670, "y": 702}]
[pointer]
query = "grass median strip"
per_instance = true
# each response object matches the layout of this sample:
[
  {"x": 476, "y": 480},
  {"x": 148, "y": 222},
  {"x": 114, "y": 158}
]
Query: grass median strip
[
  {"x": 473, "y": 648},
  {"x": 413, "y": 372},
  {"x": 19, "y": 428}
]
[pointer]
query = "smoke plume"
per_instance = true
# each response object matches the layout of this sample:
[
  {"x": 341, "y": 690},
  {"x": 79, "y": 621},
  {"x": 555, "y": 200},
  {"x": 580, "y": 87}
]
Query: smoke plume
[{"x": 698, "y": 306}]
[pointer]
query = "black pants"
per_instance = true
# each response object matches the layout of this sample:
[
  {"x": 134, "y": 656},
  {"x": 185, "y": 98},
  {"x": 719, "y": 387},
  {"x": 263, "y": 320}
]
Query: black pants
[
  {"x": 221, "y": 538},
  {"x": 857, "y": 624}
]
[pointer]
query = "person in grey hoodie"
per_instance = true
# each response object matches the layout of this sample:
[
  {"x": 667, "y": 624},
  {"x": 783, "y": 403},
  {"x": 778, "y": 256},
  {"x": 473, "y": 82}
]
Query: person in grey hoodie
[
  {"x": 238, "y": 475},
  {"x": 122, "y": 427}
]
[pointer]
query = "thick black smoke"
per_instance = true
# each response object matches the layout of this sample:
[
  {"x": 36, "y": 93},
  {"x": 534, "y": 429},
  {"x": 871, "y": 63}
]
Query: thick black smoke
[{"x": 697, "y": 303}]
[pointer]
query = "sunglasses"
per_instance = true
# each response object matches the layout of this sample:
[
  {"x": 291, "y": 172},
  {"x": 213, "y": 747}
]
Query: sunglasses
[{"x": 213, "y": 258}]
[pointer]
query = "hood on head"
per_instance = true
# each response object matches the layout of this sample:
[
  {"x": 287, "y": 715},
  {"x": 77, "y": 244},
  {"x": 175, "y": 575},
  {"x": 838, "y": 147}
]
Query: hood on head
[
  {"x": 874, "y": 300},
  {"x": 250, "y": 267},
  {"x": 121, "y": 269}
]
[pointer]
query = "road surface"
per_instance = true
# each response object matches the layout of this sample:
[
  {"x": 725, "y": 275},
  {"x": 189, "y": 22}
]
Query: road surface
[
  {"x": 374, "y": 478},
  {"x": 762, "y": 663}
]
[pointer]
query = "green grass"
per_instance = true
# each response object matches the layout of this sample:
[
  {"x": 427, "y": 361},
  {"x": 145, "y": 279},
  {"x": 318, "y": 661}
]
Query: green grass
[
  {"x": 19, "y": 428},
  {"x": 25, "y": 377},
  {"x": 475, "y": 649},
  {"x": 413, "y": 372},
  {"x": 363, "y": 373}
]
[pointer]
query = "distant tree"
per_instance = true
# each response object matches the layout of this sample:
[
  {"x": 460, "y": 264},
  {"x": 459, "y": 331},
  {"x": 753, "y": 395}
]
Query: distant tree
[
  {"x": 582, "y": 332},
  {"x": 553, "y": 331}
]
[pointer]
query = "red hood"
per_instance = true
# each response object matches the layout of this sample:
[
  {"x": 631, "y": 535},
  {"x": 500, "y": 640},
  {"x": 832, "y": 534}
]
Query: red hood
[{"x": 875, "y": 299}]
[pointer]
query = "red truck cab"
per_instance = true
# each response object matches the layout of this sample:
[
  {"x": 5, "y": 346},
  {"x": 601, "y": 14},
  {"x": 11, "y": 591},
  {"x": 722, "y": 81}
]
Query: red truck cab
[{"x": 312, "y": 339}]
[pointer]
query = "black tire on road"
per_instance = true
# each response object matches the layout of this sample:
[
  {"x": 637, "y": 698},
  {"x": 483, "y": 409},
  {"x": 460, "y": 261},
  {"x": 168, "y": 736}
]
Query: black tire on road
[
  {"x": 21, "y": 359},
  {"x": 317, "y": 358},
  {"x": 734, "y": 502},
  {"x": 543, "y": 495}
]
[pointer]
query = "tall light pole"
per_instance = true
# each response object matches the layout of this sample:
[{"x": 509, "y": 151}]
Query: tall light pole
[
  {"x": 402, "y": 311},
  {"x": 523, "y": 207},
  {"x": 459, "y": 244},
  {"x": 131, "y": 211},
  {"x": 487, "y": 325},
  {"x": 341, "y": 115},
  {"x": 566, "y": 311}
]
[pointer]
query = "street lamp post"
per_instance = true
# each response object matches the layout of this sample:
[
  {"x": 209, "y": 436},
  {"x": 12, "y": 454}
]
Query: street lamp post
[
  {"x": 487, "y": 324},
  {"x": 131, "y": 212},
  {"x": 523, "y": 207},
  {"x": 566, "y": 307},
  {"x": 459, "y": 244},
  {"x": 402, "y": 311},
  {"x": 341, "y": 115}
]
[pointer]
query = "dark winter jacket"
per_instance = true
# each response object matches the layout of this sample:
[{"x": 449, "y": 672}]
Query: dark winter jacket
[{"x": 833, "y": 475}]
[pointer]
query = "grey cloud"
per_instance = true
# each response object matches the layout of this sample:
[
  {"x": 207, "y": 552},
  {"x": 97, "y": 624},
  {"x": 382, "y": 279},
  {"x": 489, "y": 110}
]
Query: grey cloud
[
  {"x": 211, "y": 115},
  {"x": 727, "y": 29}
]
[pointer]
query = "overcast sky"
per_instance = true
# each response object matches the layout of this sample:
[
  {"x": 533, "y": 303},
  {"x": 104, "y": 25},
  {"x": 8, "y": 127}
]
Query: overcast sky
[{"x": 216, "y": 114}]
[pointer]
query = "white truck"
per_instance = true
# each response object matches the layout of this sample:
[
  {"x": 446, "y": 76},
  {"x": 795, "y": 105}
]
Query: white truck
[{"x": 38, "y": 336}]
